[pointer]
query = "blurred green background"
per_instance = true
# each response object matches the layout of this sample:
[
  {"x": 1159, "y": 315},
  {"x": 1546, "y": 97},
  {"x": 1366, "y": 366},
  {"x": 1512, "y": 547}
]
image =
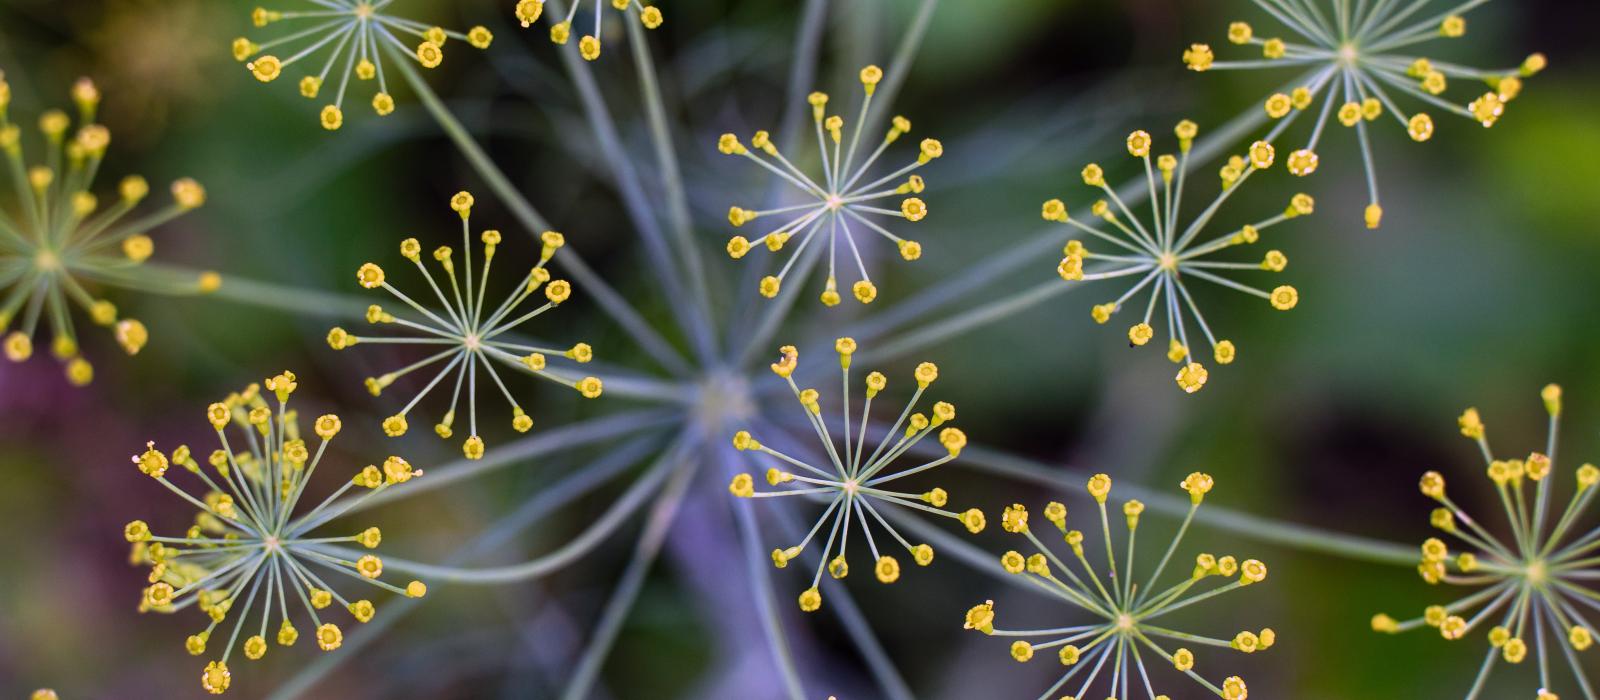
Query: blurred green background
[{"x": 1474, "y": 292}]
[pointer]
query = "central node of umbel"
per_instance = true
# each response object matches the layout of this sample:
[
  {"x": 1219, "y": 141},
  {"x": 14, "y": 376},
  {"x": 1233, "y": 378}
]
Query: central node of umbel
[
  {"x": 1125, "y": 622},
  {"x": 47, "y": 260},
  {"x": 722, "y": 399},
  {"x": 834, "y": 202},
  {"x": 1348, "y": 54},
  {"x": 1169, "y": 262},
  {"x": 1536, "y": 572},
  {"x": 471, "y": 341}
]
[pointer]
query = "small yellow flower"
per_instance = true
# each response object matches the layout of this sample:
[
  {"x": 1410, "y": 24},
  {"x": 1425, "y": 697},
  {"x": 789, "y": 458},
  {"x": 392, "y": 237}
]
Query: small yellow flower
[
  {"x": 810, "y": 600},
  {"x": 331, "y": 118},
  {"x": 1420, "y": 127},
  {"x": 329, "y": 637},
  {"x": 216, "y": 678},
  {"x": 1192, "y": 377},
  {"x": 1284, "y": 298},
  {"x": 981, "y": 618},
  {"x": 1198, "y": 57},
  {"x": 887, "y": 569}
]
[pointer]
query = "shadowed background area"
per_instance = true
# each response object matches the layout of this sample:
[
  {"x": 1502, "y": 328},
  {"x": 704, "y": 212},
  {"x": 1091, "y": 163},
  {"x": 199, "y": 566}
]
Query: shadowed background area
[{"x": 1472, "y": 293}]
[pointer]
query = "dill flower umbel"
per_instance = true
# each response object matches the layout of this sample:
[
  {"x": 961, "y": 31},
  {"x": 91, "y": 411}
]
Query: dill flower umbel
[
  {"x": 840, "y": 198},
  {"x": 61, "y": 246},
  {"x": 247, "y": 543},
  {"x": 359, "y": 32},
  {"x": 470, "y": 336},
  {"x": 851, "y": 483},
  {"x": 1127, "y": 611},
  {"x": 1161, "y": 255},
  {"x": 1357, "y": 60},
  {"x": 1530, "y": 590},
  {"x": 529, "y": 11}
]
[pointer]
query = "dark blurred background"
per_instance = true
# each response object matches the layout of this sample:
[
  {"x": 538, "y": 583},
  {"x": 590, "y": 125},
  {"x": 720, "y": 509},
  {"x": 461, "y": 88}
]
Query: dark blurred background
[{"x": 1473, "y": 293}]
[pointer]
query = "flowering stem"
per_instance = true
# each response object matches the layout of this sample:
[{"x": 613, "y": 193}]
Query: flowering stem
[
  {"x": 904, "y": 54},
  {"x": 285, "y": 298},
  {"x": 667, "y": 159},
  {"x": 965, "y": 321}
]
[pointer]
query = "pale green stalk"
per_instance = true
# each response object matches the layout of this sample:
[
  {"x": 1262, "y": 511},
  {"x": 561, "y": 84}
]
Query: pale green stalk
[
  {"x": 520, "y": 451},
  {"x": 622, "y": 600},
  {"x": 601, "y": 528}
]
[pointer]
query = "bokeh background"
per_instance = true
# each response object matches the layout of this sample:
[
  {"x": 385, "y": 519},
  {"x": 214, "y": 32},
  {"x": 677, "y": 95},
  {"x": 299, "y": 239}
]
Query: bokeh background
[{"x": 1479, "y": 289}]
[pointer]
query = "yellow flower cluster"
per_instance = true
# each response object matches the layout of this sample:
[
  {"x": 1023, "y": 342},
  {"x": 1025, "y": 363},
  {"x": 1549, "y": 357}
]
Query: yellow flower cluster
[
  {"x": 1163, "y": 253},
  {"x": 1538, "y": 579},
  {"x": 64, "y": 245},
  {"x": 1125, "y": 611},
  {"x": 463, "y": 334},
  {"x": 841, "y": 198},
  {"x": 852, "y": 480},
  {"x": 1358, "y": 65},
  {"x": 249, "y": 540}
]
